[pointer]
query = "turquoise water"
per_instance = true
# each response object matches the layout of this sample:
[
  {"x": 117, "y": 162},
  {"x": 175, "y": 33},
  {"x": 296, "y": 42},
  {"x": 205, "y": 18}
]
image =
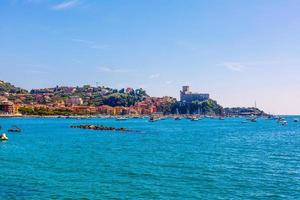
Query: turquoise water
[{"x": 208, "y": 159}]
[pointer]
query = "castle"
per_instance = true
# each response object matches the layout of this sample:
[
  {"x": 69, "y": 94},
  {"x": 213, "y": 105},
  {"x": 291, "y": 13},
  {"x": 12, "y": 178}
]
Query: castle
[{"x": 189, "y": 97}]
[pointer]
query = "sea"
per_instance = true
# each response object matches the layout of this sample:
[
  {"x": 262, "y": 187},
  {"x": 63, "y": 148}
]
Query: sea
[{"x": 166, "y": 159}]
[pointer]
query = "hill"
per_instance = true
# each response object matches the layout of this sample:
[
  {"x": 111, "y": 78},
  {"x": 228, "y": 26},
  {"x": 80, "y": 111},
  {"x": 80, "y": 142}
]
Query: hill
[{"x": 9, "y": 88}]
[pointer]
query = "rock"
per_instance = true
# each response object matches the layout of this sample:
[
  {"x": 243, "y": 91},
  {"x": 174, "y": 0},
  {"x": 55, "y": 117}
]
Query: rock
[{"x": 100, "y": 128}]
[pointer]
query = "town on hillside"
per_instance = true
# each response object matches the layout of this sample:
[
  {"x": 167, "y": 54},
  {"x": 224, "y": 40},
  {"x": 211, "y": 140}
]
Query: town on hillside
[{"x": 89, "y": 100}]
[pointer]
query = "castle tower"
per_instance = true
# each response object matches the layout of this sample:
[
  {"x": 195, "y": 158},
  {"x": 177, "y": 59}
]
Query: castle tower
[{"x": 185, "y": 89}]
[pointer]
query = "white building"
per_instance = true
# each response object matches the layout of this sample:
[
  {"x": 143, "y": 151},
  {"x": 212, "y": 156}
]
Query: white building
[{"x": 74, "y": 101}]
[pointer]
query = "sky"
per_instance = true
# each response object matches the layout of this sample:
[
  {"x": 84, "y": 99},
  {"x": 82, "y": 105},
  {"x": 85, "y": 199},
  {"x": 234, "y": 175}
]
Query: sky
[{"x": 238, "y": 51}]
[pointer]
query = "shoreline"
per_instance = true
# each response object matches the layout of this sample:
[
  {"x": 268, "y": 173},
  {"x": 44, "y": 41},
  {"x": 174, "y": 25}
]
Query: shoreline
[{"x": 131, "y": 116}]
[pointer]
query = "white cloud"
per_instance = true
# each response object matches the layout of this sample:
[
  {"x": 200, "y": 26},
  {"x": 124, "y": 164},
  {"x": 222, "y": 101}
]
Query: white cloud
[
  {"x": 66, "y": 5},
  {"x": 112, "y": 70},
  {"x": 234, "y": 66},
  {"x": 153, "y": 76}
]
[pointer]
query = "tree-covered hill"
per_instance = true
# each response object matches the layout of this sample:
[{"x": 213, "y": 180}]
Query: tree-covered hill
[
  {"x": 208, "y": 107},
  {"x": 9, "y": 88}
]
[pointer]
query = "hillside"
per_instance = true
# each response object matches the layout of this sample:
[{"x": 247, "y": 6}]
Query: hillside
[
  {"x": 9, "y": 88},
  {"x": 90, "y": 96},
  {"x": 208, "y": 107}
]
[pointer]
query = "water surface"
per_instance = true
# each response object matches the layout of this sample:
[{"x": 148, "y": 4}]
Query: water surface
[{"x": 207, "y": 159}]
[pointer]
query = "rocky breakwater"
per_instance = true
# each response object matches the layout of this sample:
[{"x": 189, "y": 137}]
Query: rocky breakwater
[{"x": 100, "y": 128}]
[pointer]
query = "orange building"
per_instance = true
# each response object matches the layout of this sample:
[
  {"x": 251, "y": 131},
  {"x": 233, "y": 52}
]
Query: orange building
[
  {"x": 7, "y": 107},
  {"x": 83, "y": 109}
]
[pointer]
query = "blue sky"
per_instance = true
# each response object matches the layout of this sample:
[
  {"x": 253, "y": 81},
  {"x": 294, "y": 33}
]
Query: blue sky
[{"x": 238, "y": 51}]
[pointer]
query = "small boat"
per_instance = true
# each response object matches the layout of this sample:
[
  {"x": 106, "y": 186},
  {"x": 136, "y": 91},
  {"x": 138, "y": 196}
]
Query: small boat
[
  {"x": 252, "y": 119},
  {"x": 280, "y": 119},
  {"x": 177, "y": 118},
  {"x": 152, "y": 119},
  {"x": 296, "y": 119},
  {"x": 284, "y": 123},
  {"x": 14, "y": 129},
  {"x": 195, "y": 119},
  {"x": 121, "y": 118},
  {"x": 3, "y": 137},
  {"x": 221, "y": 118}
]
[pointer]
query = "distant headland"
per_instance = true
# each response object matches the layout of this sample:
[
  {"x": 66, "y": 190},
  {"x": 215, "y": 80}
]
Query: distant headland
[{"x": 89, "y": 100}]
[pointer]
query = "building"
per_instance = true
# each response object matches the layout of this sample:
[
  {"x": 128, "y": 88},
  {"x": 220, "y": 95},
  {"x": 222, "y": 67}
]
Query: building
[
  {"x": 187, "y": 96},
  {"x": 104, "y": 109},
  {"x": 7, "y": 107},
  {"x": 74, "y": 101},
  {"x": 83, "y": 109}
]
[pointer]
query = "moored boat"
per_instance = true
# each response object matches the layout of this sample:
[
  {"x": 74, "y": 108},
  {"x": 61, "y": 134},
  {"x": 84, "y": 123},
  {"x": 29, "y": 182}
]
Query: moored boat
[
  {"x": 195, "y": 119},
  {"x": 3, "y": 137},
  {"x": 152, "y": 119},
  {"x": 14, "y": 129},
  {"x": 121, "y": 118},
  {"x": 177, "y": 118},
  {"x": 296, "y": 119},
  {"x": 252, "y": 118}
]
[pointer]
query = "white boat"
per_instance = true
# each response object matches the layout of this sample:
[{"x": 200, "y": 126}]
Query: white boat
[
  {"x": 296, "y": 119},
  {"x": 280, "y": 119},
  {"x": 121, "y": 118},
  {"x": 177, "y": 118},
  {"x": 3, "y": 137},
  {"x": 152, "y": 119},
  {"x": 252, "y": 119}
]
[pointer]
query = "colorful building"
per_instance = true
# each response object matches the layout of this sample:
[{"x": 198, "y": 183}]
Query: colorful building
[
  {"x": 74, "y": 101},
  {"x": 7, "y": 107}
]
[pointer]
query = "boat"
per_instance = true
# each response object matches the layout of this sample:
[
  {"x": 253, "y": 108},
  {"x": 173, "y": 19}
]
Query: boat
[
  {"x": 3, "y": 137},
  {"x": 195, "y": 119},
  {"x": 296, "y": 119},
  {"x": 280, "y": 119},
  {"x": 252, "y": 119},
  {"x": 221, "y": 118},
  {"x": 177, "y": 118},
  {"x": 14, "y": 129},
  {"x": 284, "y": 123},
  {"x": 152, "y": 119},
  {"x": 121, "y": 118}
]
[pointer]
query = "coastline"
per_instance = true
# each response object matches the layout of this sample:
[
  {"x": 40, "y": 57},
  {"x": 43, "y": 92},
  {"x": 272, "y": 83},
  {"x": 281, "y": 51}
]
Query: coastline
[{"x": 131, "y": 116}]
